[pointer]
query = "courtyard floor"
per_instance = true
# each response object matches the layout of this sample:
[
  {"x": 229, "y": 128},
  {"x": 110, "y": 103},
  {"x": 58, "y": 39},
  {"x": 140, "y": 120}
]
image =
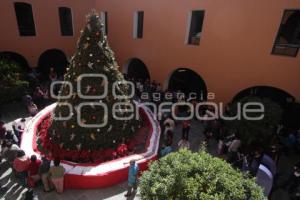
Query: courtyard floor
[{"x": 12, "y": 191}]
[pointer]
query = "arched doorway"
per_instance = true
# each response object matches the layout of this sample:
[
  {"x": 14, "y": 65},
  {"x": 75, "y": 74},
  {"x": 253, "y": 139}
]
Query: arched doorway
[
  {"x": 275, "y": 94},
  {"x": 52, "y": 58},
  {"x": 136, "y": 69},
  {"x": 188, "y": 82},
  {"x": 17, "y": 58},
  {"x": 291, "y": 110}
]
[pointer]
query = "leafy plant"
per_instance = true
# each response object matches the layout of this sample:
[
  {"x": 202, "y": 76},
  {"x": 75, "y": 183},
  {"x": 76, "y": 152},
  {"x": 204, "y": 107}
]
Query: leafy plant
[
  {"x": 194, "y": 176},
  {"x": 12, "y": 81},
  {"x": 255, "y": 132}
]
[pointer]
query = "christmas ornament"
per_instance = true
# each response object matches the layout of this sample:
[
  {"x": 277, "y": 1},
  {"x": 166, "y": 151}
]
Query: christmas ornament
[
  {"x": 110, "y": 128},
  {"x": 132, "y": 129},
  {"x": 72, "y": 136},
  {"x": 72, "y": 126},
  {"x": 97, "y": 33},
  {"x": 78, "y": 146},
  {"x": 100, "y": 44},
  {"x": 87, "y": 89},
  {"x": 93, "y": 136},
  {"x": 74, "y": 95},
  {"x": 92, "y": 105},
  {"x": 89, "y": 27},
  {"x": 93, "y": 117},
  {"x": 91, "y": 55},
  {"x": 85, "y": 45},
  {"x": 87, "y": 38},
  {"x": 90, "y": 65},
  {"x": 98, "y": 130}
]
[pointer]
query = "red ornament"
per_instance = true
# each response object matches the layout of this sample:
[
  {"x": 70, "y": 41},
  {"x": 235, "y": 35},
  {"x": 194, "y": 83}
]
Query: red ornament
[{"x": 93, "y": 117}]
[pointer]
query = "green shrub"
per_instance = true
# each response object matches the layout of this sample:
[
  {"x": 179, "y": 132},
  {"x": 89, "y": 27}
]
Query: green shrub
[
  {"x": 194, "y": 176},
  {"x": 12, "y": 81},
  {"x": 257, "y": 132}
]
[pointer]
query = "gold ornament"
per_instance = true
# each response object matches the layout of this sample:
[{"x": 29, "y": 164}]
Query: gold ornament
[
  {"x": 86, "y": 45},
  {"x": 72, "y": 136},
  {"x": 93, "y": 136}
]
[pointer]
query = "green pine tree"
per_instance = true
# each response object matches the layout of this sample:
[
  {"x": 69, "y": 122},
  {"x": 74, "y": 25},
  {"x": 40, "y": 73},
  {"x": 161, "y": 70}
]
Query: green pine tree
[{"x": 93, "y": 56}]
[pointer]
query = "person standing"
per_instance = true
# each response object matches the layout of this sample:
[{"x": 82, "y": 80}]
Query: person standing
[
  {"x": 18, "y": 127},
  {"x": 20, "y": 165},
  {"x": 56, "y": 174},
  {"x": 44, "y": 173},
  {"x": 186, "y": 126},
  {"x": 33, "y": 170},
  {"x": 132, "y": 177},
  {"x": 169, "y": 121},
  {"x": 10, "y": 152}
]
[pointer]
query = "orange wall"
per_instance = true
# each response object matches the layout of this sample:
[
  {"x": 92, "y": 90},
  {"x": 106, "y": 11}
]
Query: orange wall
[
  {"x": 235, "y": 47},
  {"x": 46, "y": 18},
  {"x": 234, "y": 51}
]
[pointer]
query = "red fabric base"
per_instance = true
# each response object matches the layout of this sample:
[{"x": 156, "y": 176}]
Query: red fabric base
[{"x": 91, "y": 176}]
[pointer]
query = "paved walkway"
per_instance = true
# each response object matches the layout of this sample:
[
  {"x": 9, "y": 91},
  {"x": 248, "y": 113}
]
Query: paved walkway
[{"x": 12, "y": 191}]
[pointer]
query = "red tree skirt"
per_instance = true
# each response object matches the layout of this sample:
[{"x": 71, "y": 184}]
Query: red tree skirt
[{"x": 89, "y": 176}]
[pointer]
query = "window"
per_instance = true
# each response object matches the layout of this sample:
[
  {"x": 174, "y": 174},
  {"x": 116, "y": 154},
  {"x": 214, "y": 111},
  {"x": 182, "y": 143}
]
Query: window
[
  {"x": 25, "y": 20},
  {"x": 288, "y": 38},
  {"x": 104, "y": 18},
  {"x": 66, "y": 23},
  {"x": 138, "y": 24},
  {"x": 195, "y": 27}
]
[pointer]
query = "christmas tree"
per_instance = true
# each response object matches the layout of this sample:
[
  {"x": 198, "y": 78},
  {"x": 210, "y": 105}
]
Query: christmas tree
[{"x": 95, "y": 60}]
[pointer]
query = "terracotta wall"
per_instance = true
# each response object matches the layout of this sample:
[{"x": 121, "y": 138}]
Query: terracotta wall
[
  {"x": 48, "y": 35},
  {"x": 235, "y": 47},
  {"x": 234, "y": 51}
]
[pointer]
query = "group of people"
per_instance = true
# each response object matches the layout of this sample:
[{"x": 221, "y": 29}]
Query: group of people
[
  {"x": 30, "y": 171},
  {"x": 40, "y": 95}
]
